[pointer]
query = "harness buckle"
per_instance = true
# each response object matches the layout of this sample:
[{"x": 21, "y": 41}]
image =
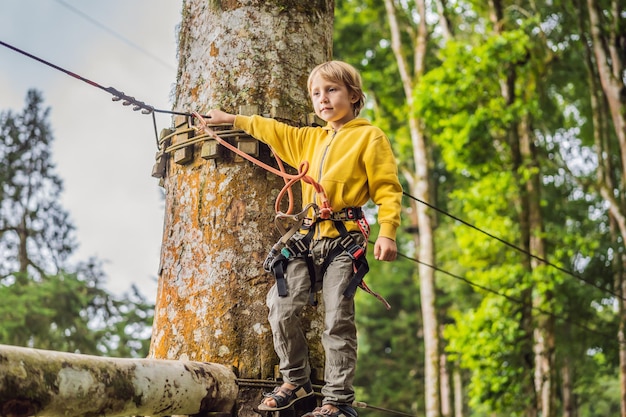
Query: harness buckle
[
  {"x": 270, "y": 259},
  {"x": 355, "y": 252},
  {"x": 353, "y": 213},
  {"x": 287, "y": 252},
  {"x": 300, "y": 245}
]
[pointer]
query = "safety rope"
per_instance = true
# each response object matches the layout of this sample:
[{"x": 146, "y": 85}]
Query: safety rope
[{"x": 323, "y": 210}]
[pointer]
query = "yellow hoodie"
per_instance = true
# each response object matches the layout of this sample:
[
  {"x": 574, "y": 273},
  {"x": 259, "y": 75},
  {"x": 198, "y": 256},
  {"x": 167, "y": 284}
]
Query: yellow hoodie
[{"x": 353, "y": 164}]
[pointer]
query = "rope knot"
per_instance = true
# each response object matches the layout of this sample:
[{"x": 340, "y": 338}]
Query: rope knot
[{"x": 325, "y": 213}]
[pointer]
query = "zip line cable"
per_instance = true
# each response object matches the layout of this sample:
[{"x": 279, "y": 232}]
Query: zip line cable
[
  {"x": 517, "y": 248},
  {"x": 117, "y": 95},
  {"x": 510, "y": 298},
  {"x": 147, "y": 109},
  {"x": 114, "y": 33}
]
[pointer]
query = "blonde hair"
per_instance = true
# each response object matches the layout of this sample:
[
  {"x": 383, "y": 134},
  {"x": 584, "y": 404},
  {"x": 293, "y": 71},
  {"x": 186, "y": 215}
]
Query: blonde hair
[{"x": 343, "y": 73}]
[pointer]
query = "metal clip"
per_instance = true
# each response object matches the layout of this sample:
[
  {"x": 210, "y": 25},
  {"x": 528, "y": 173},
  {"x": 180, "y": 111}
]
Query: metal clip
[{"x": 298, "y": 219}]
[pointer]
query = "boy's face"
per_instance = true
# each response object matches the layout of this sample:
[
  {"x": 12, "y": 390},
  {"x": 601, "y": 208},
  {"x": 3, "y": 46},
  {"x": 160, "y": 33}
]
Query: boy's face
[{"x": 332, "y": 101}]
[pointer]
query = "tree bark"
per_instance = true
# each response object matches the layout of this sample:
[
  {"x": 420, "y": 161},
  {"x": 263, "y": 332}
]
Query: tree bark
[
  {"x": 605, "y": 83},
  {"x": 219, "y": 212},
  {"x": 446, "y": 387},
  {"x": 41, "y": 382},
  {"x": 544, "y": 337},
  {"x": 569, "y": 402},
  {"x": 611, "y": 72},
  {"x": 620, "y": 282},
  {"x": 459, "y": 406}
]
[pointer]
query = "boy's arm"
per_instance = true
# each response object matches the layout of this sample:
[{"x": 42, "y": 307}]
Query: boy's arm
[
  {"x": 281, "y": 137},
  {"x": 384, "y": 186}
]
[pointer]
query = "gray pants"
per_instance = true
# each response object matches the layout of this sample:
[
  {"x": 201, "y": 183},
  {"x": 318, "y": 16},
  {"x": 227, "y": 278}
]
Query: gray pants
[{"x": 339, "y": 337}]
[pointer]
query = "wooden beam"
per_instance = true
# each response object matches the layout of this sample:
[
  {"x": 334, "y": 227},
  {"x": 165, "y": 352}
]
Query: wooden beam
[{"x": 49, "y": 383}]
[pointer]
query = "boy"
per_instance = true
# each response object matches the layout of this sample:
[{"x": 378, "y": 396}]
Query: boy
[{"x": 354, "y": 162}]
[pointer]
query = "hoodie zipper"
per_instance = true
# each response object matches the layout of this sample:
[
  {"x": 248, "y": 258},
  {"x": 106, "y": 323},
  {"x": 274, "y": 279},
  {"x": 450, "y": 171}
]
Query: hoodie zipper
[{"x": 319, "y": 175}]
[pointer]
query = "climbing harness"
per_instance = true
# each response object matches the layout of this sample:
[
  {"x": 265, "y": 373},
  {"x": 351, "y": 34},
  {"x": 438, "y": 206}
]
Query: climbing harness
[{"x": 294, "y": 244}]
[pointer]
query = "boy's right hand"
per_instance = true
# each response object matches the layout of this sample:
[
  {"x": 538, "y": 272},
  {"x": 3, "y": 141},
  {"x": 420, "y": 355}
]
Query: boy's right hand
[
  {"x": 217, "y": 117},
  {"x": 385, "y": 249}
]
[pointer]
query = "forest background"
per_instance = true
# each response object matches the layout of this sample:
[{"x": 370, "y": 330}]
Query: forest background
[{"x": 521, "y": 106}]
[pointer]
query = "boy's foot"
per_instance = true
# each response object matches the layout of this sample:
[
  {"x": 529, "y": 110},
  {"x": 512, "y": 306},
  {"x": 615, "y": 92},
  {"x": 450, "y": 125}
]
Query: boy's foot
[
  {"x": 285, "y": 396},
  {"x": 329, "y": 410}
]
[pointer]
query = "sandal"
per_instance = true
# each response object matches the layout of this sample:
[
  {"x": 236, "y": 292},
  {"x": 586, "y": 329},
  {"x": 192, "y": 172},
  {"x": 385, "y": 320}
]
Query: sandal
[
  {"x": 343, "y": 411},
  {"x": 285, "y": 397}
]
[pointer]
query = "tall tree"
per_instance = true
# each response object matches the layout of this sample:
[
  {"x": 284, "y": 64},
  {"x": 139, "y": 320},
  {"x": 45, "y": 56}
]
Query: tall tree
[
  {"x": 533, "y": 86},
  {"x": 48, "y": 302},
  {"x": 255, "y": 57},
  {"x": 403, "y": 27},
  {"x": 33, "y": 225},
  {"x": 421, "y": 186},
  {"x": 605, "y": 35},
  {"x": 528, "y": 175}
]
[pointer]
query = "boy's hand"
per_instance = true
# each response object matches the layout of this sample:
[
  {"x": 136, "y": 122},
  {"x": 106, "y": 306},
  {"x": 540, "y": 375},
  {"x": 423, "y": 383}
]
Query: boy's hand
[
  {"x": 220, "y": 117},
  {"x": 385, "y": 249}
]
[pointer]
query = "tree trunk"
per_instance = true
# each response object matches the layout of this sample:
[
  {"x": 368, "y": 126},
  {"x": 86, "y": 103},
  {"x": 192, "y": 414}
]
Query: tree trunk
[
  {"x": 621, "y": 334},
  {"x": 619, "y": 278},
  {"x": 544, "y": 330},
  {"x": 459, "y": 408},
  {"x": 569, "y": 403},
  {"x": 601, "y": 79},
  {"x": 446, "y": 388},
  {"x": 519, "y": 151},
  {"x": 611, "y": 70},
  {"x": 41, "y": 382},
  {"x": 421, "y": 189},
  {"x": 219, "y": 212}
]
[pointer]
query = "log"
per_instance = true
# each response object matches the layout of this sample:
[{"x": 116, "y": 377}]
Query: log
[{"x": 42, "y": 382}]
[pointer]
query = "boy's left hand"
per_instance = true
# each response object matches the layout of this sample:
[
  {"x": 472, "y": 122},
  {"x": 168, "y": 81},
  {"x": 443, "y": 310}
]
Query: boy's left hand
[{"x": 385, "y": 249}]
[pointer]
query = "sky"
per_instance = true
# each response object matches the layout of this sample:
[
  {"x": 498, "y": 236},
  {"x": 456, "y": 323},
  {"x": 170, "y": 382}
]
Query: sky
[{"x": 103, "y": 151}]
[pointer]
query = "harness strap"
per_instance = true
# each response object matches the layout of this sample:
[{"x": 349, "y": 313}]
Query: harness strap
[
  {"x": 356, "y": 252},
  {"x": 278, "y": 268},
  {"x": 348, "y": 213},
  {"x": 289, "y": 250}
]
